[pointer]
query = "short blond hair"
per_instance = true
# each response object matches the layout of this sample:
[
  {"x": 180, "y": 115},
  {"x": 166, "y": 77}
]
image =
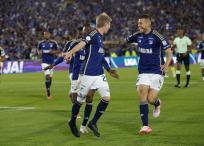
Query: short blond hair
[{"x": 102, "y": 19}]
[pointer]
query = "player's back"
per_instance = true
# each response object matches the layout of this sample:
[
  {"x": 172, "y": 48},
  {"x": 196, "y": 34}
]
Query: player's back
[{"x": 92, "y": 65}]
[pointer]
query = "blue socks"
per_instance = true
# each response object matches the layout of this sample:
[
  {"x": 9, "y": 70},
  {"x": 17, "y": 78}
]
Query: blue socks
[
  {"x": 87, "y": 113},
  {"x": 75, "y": 110},
  {"x": 144, "y": 110},
  {"x": 99, "y": 111}
]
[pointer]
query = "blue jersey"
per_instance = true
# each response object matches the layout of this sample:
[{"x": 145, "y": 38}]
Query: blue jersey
[
  {"x": 150, "y": 47},
  {"x": 46, "y": 47},
  {"x": 201, "y": 46},
  {"x": 93, "y": 64},
  {"x": 76, "y": 60}
]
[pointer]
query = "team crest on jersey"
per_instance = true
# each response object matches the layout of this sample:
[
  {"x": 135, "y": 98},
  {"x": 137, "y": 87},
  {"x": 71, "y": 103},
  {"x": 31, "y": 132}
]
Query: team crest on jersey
[
  {"x": 150, "y": 42},
  {"x": 139, "y": 40},
  {"x": 51, "y": 45},
  {"x": 88, "y": 38},
  {"x": 101, "y": 50},
  {"x": 164, "y": 42}
]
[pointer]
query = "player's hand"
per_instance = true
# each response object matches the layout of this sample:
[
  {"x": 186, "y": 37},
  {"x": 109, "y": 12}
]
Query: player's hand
[
  {"x": 68, "y": 56},
  {"x": 164, "y": 68},
  {"x": 113, "y": 73},
  {"x": 49, "y": 67}
]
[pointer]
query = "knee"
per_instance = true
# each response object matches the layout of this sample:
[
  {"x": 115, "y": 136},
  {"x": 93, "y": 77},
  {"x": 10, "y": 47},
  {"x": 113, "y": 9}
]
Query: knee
[
  {"x": 150, "y": 99},
  {"x": 89, "y": 99},
  {"x": 47, "y": 77},
  {"x": 106, "y": 98}
]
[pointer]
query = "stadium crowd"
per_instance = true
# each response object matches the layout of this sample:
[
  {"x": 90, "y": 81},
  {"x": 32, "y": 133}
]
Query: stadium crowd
[{"x": 22, "y": 22}]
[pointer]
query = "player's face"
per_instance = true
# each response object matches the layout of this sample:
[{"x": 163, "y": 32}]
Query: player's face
[
  {"x": 46, "y": 35},
  {"x": 107, "y": 27},
  {"x": 143, "y": 25},
  {"x": 86, "y": 30},
  {"x": 180, "y": 32}
]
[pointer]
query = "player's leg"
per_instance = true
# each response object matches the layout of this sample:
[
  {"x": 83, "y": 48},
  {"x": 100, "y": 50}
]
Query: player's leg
[
  {"x": 178, "y": 68},
  {"x": 48, "y": 79},
  {"x": 156, "y": 85},
  {"x": 104, "y": 91},
  {"x": 187, "y": 68},
  {"x": 143, "y": 85},
  {"x": 87, "y": 111},
  {"x": 201, "y": 62},
  {"x": 84, "y": 87},
  {"x": 172, "y": 68},
  {"x": 1, "y": 67}
]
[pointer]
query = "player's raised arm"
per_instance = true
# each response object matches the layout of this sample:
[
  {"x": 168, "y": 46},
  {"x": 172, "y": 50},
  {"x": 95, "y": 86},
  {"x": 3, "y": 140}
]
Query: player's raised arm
[{"x": 78, "y": 47}]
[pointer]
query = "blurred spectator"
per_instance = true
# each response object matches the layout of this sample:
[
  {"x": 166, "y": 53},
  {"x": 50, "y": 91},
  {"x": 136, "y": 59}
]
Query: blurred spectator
[{"x": 23, "y": 21}]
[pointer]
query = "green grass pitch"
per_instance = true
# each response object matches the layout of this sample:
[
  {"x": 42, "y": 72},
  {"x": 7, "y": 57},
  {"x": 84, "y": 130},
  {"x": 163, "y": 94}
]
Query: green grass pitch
[{"x": 28, "y": 118}]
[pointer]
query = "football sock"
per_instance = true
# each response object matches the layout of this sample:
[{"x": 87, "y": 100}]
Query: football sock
[
  {"x": 188, "y": 76},
  {"x": 100, "y": 110},
  {"x": 178, "y": 73},
  {"x": 87, "y": 113},
  {"x": 47, "y": 85},
  {"x": 144, "y": 110},
  {"x": 157, "y": 103},
  {"x": 75, "y": 110}
]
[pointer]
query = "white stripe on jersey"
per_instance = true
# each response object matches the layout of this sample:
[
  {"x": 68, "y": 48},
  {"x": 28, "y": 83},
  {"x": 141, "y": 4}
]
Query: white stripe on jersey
[{"x": 87, "y": 59}]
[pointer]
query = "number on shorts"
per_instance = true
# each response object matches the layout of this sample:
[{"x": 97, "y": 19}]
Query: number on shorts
[{"x": 104, "y": 78}]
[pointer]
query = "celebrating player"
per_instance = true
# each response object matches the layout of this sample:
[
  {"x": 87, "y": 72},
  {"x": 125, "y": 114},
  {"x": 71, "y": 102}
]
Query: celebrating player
[
  {"x": 151, "y": 68},
  {"x": 48, "y": 49},
  {"x": 93, "y": 74}
]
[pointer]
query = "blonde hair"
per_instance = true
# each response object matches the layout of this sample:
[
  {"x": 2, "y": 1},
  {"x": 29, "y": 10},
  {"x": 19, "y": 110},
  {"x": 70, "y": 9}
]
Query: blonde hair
[{"x": 102, "y": 19}]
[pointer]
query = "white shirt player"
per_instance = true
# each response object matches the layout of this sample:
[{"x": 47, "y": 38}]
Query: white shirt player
[{"x": 182, "y": 44}]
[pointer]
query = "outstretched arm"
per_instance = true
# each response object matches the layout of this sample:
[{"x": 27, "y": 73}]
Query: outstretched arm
[{"x": 78, "y": 47}]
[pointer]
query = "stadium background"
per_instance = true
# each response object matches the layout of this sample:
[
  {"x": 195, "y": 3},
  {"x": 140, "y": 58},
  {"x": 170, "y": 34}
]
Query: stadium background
[{"x": 27, "y": 118}]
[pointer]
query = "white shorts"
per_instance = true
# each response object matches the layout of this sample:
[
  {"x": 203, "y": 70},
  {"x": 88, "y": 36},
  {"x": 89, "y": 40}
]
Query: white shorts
[
  {"x": 93, "y": 82},
  {"x": 74, "y": 84},
  {"x": 155, "y": 81},
  {"x": 47, "y": 72}
]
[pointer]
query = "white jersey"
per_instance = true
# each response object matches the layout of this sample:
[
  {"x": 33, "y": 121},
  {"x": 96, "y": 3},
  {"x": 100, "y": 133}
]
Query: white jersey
[{"x": 182, "y": 44}]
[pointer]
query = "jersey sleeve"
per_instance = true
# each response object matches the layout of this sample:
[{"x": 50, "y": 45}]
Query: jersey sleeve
[
  {"x": 162, "y": 40},
  {"x": 105, "y": 64},
  {"x": 132, "y": 38},
  {"x": 174, "y": 42},
  {"x": 87, "y": 38},
  {"x": 165, "y": 44},
  {"x": 67, "y": 46},
  {"x": 189, "y": 42}
]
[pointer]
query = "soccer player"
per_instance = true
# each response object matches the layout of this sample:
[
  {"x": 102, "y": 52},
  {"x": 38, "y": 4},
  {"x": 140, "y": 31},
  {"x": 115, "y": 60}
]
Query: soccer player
[
  {"x": 200, "y": 49},
  {"x": 151, "y": 68},
  {"x": 2, "y": 59},
  {"x": 74, "y": 71},
  {"x": 182, "y": 45},
  {"x": 93, "y": 74},
  {"x": 48, "y": 49}
]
